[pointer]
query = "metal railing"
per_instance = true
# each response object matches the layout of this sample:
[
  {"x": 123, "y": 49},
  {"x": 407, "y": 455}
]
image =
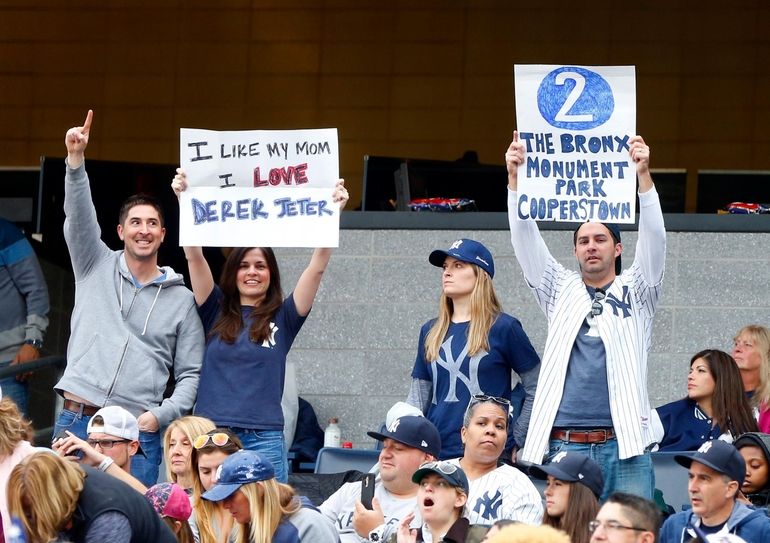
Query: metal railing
[{"x": 55, "y": 362}]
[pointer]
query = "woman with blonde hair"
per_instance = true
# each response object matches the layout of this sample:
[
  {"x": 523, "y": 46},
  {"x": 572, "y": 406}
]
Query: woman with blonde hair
[
  {"x": 55, "y": 498},
  {"x": 751, "y": 351},
  {"x": 14, "y": 447},
  {"x": 178, "y": 445},
  {"x": 470, "y": 348},
  {"x": 210, "y": 522},
  {"x": 267, "y": 511}
]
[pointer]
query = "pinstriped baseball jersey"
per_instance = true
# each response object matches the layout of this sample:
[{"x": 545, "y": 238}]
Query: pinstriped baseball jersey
[
  {"x": 503, "y": 493},
  {"x": 625, "y": 327}
]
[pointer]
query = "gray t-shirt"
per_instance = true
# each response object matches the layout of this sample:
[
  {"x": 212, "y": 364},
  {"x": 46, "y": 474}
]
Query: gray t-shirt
[{"x": 586, "y": 399}]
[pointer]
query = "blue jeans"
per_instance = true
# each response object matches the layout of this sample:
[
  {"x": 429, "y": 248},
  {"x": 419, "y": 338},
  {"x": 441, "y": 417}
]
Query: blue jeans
[
  {"x": 15, "y": 390},
  {"x": 633, "y": 475},
  {"x": 144, "y": 468},
  {"x": 268, "y": 443}
]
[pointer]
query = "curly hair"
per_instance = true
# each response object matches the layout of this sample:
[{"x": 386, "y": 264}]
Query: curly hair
[{"x": 13, "y": 427}]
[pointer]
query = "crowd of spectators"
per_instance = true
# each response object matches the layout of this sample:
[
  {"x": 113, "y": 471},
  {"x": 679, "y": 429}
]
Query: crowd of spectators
[{"x": 455, "y": 466}]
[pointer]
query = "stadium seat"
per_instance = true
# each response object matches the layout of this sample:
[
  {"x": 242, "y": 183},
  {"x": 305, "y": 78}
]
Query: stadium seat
[
  {"x": 335, "y": 460},
  {"x": 671, "y": 479}
]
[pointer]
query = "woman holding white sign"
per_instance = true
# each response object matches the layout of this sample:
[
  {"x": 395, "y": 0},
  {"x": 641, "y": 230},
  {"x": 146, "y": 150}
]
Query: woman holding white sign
[{"x": 250, "y": 328}]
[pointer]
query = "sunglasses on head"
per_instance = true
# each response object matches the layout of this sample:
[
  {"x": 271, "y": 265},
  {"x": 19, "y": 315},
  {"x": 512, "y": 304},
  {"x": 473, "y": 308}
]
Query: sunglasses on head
[
  {"x": 447, "y": 468},
  {"x": 504, "y": 403},
  {"x": 220, "y": 439},
  {"x": 596, "y": 304}
]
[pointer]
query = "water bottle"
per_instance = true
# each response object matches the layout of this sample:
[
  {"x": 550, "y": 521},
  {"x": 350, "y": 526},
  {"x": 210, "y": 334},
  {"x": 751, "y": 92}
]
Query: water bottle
[{"x": 332, "y": 435}]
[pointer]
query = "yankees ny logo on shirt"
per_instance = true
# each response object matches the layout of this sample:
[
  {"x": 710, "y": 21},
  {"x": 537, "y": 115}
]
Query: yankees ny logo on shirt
[
  {"x": 487, "y": 506},
  {"x": 624, "y": 304},
  {"x": 452, "y": 366},
  {"x": 270, "y": 341}
]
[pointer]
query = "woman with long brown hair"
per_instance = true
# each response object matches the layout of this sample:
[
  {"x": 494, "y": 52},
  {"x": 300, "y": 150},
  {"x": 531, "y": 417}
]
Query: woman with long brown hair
[
  {"x": 715, "y": 407},
  {"x": 574, "y": 484},
  {"x": 470, "y": 348},
  {"x": 249, "y": 329}
]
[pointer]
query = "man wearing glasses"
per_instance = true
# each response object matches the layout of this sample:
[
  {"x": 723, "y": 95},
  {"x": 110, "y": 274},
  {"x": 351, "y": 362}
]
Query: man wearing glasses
[
  {"x": 592, "y": 391},
  {"x": 113, "y": 439},
  {"x": 625, "y": 518}
]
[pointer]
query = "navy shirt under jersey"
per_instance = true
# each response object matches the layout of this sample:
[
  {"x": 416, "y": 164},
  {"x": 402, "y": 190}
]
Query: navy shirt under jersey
[
  {"x": 241, "y": 384},
  {"x": 456, "y": 376},
  {"x": 585, "y": 402}
]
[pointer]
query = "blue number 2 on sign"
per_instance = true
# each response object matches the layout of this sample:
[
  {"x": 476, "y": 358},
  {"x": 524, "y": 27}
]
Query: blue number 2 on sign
[{"x": 574, "y": 98}]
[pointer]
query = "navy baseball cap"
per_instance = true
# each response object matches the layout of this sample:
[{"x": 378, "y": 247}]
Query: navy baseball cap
[
  {"x": 412, "y": 431},
  {"x": 572, "y": 467},
  {"x": 719, "y": 456},
  {"x": 466, "y": 250},
  {"x": 451, "y": 473},
  {"x": 238, "y": 469}
]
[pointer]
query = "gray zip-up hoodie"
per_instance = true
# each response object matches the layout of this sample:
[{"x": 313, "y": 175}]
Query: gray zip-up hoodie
[{"x": 125, "y": 341}]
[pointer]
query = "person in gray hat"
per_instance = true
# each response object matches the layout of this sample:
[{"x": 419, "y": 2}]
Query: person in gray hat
[
  {"x": 755, "y": 450},
  {"x": 113, "y": 440},
  {"x": 408, "y": 442},
  {"x": 717, "y": 471}
]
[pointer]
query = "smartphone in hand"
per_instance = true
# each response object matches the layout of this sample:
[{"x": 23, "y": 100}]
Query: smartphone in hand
[{"x": 367, "y": 490}]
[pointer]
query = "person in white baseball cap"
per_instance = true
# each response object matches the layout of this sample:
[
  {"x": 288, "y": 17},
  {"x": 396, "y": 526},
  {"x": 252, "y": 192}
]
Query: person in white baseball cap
[{"x": 113, "y": 438}]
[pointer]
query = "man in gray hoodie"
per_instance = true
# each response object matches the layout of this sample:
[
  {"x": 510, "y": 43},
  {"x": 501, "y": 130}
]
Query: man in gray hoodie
[{"x": 133, "y": 323}]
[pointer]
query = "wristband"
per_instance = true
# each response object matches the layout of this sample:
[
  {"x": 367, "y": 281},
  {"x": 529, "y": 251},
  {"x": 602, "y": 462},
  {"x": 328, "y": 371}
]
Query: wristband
[
  {"x": 105, "y": 464},
  {"x": 376, "y": 535}
]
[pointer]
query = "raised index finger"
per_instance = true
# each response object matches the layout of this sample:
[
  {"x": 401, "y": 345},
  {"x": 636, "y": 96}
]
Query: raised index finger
[{"x": 87, "y": 123}]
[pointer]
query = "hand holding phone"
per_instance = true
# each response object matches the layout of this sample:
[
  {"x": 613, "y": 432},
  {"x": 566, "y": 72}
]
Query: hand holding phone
[{"x": 367, "y": 491}]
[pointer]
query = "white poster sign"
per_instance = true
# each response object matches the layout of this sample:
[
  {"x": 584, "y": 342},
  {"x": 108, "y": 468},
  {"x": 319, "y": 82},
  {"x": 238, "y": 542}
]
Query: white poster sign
[
  {"x": 258, "y": 188},
  {"x": 575, "y": 123}
]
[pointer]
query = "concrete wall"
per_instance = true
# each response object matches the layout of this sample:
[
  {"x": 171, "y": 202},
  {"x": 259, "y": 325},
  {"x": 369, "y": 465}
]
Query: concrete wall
[
  {"x": 354, "y": 356},
  {"x": 355, "y": 353}
]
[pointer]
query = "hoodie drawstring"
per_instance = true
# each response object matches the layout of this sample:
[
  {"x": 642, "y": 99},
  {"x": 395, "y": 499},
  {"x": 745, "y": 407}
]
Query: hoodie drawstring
[{"x": 160, "y": 286}]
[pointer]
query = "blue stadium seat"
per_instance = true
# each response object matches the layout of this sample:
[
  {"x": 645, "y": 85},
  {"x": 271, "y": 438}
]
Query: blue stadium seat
[
  {"x": 671, "y": 479},
  {"x": 334, "y": 460}
]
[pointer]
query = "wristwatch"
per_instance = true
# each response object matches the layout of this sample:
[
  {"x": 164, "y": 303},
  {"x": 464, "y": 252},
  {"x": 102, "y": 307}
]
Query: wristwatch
[
  {"x": 376, "y": 535},
  {"x": 36, "y": 343}
]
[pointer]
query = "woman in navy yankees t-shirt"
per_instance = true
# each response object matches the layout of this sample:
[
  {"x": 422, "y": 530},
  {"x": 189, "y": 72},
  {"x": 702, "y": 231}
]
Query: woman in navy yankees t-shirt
[
  {"x": 470, "y": 348},
  {"x": 715, "y": 406},
  {"x": 249, "y": 329}
]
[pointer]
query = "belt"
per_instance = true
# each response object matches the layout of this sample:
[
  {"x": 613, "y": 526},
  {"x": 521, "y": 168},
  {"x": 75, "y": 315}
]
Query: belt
[
  {"x": 83, "y": 409},
  {"x": 584, "y": 436}
]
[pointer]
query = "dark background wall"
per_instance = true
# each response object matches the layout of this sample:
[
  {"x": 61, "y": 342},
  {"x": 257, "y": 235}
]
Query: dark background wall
[{"x": 428, "y": 79}]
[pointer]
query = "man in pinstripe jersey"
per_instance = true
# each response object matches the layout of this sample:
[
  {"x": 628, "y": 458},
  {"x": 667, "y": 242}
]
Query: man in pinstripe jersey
[{"x": 592, "y": 392}]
